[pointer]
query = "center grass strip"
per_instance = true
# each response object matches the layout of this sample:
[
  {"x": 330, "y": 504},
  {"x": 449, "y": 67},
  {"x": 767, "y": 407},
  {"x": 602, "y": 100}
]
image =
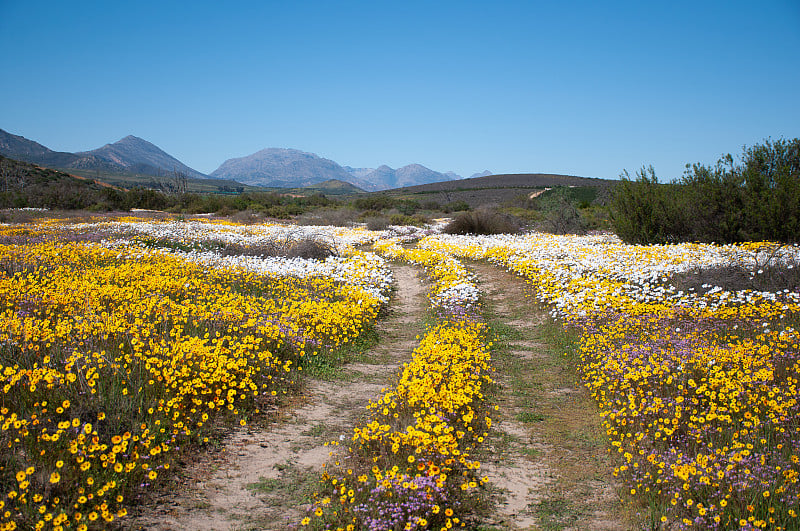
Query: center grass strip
[{"x": 412, "y": 465}]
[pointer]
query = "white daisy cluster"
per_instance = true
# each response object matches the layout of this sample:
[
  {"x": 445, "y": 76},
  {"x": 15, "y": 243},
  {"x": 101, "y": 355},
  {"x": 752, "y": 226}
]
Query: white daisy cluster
[
  {"x": 592, "y": 273},
  {"x": 247, "y": 235}
]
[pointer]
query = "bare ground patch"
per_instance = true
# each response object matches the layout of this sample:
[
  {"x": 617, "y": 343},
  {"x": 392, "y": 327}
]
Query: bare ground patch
[
  {"x": 549, "y": 462},
  {"x": 262, "y": 479}
]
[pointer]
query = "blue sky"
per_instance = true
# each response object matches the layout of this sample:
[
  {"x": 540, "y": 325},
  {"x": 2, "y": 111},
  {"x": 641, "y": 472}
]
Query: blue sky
[{"x": 581, "y": 88}]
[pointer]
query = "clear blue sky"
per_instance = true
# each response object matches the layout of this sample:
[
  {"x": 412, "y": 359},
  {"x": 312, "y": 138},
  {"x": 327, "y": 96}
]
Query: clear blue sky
[{"x": 583, "y": 88}]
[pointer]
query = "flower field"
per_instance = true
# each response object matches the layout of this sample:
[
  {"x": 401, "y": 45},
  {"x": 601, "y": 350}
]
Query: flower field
[
  {"x": 117, "y": 348},
  {"x": 123, "y": 344},
  {"x": 698, "y": 389},
  {"x": 411, "y": 465}
]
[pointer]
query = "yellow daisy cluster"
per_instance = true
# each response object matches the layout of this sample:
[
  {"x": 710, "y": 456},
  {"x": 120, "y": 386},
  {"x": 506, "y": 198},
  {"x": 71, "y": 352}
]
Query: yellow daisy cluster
[
  {"x": 698, "y": 390},
  {"x": 112, "y": 359},
  {"x": 411, "y": 465}
]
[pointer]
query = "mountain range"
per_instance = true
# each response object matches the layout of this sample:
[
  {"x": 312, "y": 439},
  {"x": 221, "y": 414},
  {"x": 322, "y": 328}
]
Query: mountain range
[{"x": 271, "y": 167}]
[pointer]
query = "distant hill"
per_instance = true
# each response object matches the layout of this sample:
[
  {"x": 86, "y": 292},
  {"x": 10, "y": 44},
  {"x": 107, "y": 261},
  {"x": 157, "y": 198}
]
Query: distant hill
[
  {"x": 128, "y": 155},
  {"x": 136, "y": 155},
  {"x": 496, "y": 189},
  {"x": 333, "y": 187},
  {"x": 20, "y": 148},
  {"x": 508, "y": 180},
  {"x": 385, "y": 178}
]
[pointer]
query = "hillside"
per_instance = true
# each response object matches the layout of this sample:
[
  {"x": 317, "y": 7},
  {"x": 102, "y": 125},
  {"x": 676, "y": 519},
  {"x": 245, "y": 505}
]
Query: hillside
[
  {"x": 507, "y": 180},
  {"x": 133, "y": 161},
  {"x": 26, "y": 185},
  {"x": 494, "y": 189},
  {"x": 128, "y": 155},
  {"x": 128, "y": 163},
  {"x": 135, "y": 155}
]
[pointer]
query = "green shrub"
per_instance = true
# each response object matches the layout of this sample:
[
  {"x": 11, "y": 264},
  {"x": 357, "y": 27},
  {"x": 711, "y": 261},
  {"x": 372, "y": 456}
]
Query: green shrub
[
  {"x": 403, "y": 219},
  {"x": 374, "y": 202},
  {"x": 456, "y": 206},
  {"x": 755, "y": 199}
]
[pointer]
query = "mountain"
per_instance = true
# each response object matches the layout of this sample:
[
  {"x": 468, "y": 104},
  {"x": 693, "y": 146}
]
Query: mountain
[
  {"x": 358, "y": 173},
  {"x": 385, "y": 177},
  {"x": 484, "y": 173},
  {"x": 271, "y": 167},
  {"x": 136, "y": 155},
  {"x": 131, "y": 154},
  {"x": 20, "y": 148},
  {"x": 280, "y": 167}
]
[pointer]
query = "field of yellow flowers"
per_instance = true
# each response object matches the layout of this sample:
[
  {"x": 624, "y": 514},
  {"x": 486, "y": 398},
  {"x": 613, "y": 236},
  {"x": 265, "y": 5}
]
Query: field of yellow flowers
[
  {"x": 124, "y": 343},
  {"x": 121, "y": 343},
  {"x": 698, "y": 389}
]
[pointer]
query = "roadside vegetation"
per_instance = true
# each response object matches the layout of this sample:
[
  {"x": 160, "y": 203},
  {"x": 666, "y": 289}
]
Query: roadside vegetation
[{"x": 754, "y": 198}]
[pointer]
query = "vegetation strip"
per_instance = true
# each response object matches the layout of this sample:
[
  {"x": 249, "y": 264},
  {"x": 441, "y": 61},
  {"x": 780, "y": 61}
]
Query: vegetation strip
[
  {"x": 698, "y": 390},
  {"x": 548, "y": 457},
  {"x": 412, "y": 465}
]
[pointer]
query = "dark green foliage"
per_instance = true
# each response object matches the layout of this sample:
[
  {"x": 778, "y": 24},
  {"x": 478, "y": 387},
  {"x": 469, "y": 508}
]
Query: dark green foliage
[
  {"x": 456, "y": 206},
  {"x": 482, "y": 221},
  {"x": 582, "y": 196},
  {"x": 374, "y": 202},
  {"x": 757, "y": 198},
  {"x": 403, "y": 219},
  {"x": 642, "y": 209},
  {"x": 382, "y": 202}
]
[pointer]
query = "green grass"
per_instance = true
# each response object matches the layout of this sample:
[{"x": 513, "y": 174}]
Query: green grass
[
  {"x": 529, "y": 417},
  {"x": 293, "y": 483},
  {"x": 556, "y": 513},
  {"x": 327, "y": 365}
]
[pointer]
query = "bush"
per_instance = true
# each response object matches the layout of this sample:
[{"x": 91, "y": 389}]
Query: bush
[
  {"x": 374, "y": 202},
  {"x": 339, "y": 217},
  {"x": 292, "y": 246},
  {"x": 456, "y": 206},
  {"x": 483, "y": 221},
  {"x": 377, "y": 222},
  {"x": 560, "y": 216},
  {"x": 755, "y": 199},
  {"x": 402, "y": 219}
]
